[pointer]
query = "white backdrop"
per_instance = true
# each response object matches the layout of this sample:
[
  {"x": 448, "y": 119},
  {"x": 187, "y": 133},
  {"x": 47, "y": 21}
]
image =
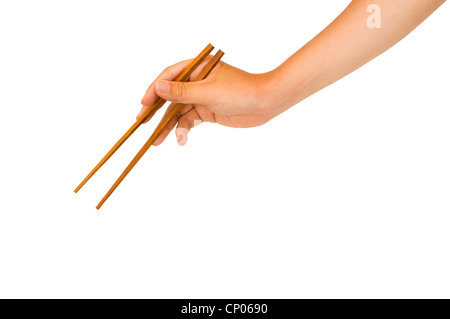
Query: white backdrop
[{"x": 345, "y": 195}]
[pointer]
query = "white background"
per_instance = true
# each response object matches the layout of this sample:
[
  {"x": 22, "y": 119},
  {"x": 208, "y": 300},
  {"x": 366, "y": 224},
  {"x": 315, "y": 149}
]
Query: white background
[{"x": 345, "y": 195}]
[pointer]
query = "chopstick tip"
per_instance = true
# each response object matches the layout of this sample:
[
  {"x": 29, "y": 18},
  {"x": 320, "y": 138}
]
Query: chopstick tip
[{"x": 101, "y": 202}]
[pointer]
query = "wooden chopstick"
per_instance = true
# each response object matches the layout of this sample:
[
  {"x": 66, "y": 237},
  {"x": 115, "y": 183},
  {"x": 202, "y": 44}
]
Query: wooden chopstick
[
  {"x": 183, "y": 76},
  {"x": 164, "y": 122}
]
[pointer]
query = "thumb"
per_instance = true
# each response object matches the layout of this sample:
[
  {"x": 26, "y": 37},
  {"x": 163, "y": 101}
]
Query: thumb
[{"x": 182, "y": 92}]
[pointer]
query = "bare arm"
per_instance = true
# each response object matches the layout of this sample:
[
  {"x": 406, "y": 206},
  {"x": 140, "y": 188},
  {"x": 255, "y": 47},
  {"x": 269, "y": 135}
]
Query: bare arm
[
  {"x": 236, "y": 98},
  {"x": 349, "y": 42}
]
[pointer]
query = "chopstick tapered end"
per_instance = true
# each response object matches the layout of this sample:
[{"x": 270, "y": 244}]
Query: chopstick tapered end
[
  {"x": 83, "y": 183},
  {"x": 102, "y": 202}
]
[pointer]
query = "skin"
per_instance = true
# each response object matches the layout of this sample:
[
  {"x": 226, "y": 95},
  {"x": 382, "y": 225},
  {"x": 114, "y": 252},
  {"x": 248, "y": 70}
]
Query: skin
[{"x": 235, "y": 98}]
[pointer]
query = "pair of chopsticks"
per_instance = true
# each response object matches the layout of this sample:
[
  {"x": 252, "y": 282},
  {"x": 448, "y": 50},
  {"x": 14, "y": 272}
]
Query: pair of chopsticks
[{"x": 183, "y": 76}]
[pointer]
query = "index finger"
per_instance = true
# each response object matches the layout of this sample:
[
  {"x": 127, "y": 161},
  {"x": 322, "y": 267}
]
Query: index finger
[{"x": 168, "y": 74}]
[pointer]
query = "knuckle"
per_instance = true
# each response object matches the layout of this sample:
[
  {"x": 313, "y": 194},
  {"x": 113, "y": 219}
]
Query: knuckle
[{"x": 181, "y": 90}]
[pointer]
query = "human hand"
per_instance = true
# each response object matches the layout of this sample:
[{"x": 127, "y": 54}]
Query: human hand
[
  {"x": 235, "y": 98},
  {"x": 229, "y": 96}
]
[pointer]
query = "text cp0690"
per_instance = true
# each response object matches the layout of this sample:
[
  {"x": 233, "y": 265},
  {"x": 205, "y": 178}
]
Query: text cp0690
[{"x": 243, "y": 308}]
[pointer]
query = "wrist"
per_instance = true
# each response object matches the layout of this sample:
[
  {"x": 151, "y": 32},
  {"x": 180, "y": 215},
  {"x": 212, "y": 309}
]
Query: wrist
[
  {"x": 267, "y": 93},
  {"x": 288, "y": 85}
]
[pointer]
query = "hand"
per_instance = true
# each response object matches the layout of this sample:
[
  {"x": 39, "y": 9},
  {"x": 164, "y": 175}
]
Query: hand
[
  {"x": 228, "y": 96},
  {"x": 235, "y": 98}
]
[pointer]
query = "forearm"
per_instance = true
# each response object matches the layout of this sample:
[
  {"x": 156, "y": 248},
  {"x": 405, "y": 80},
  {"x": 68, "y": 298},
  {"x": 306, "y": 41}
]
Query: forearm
[
  {"x": 345, "y": 45},
  {"x": 235, "y": 98}
]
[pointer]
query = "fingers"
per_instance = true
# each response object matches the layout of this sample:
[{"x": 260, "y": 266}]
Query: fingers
[
  {"x": 169, "y": 127},
  {"x": 184, "y": 92},
  {"x": 169, "y": 73},
  {"x": 185, "y": 123},
  {"x": 144, "y": 108},
  {"x": 184, "y": 108}
]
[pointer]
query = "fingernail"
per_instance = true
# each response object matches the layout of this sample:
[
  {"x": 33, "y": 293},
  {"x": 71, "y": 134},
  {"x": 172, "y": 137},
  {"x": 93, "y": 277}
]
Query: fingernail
[
  {"x": 197, "y": 122},
  {"x": 181, "y": 133},
  {"x": 162, "y": 86}
]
